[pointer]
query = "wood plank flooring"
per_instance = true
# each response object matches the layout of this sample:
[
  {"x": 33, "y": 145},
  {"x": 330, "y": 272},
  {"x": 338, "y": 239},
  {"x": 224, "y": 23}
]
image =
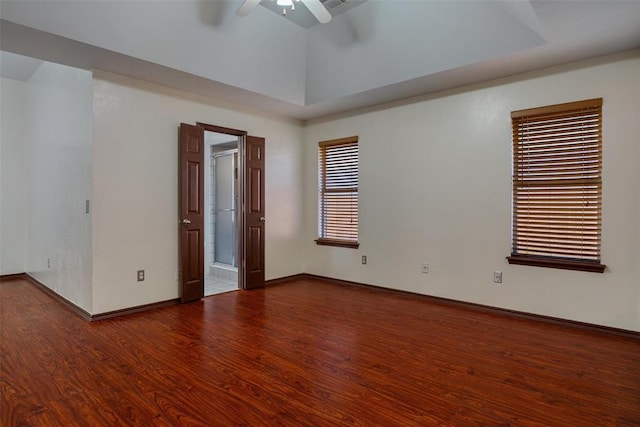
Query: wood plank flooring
[{"x": 307, "y": 353}]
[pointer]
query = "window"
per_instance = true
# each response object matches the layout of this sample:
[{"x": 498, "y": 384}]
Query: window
[
  {"x": 338, "y": 192},
  {"x": 557, "y": 186}
]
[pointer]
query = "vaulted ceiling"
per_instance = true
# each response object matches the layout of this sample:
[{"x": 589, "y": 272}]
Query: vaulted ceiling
[{"x": 379, "y": 51}]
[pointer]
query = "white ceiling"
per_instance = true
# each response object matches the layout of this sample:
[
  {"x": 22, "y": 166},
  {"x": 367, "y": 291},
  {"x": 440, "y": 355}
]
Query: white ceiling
[
  {"x": 380, "y": 51},
  {"x": 17, "y": 67},
  {"x": 215, "y": 138}
]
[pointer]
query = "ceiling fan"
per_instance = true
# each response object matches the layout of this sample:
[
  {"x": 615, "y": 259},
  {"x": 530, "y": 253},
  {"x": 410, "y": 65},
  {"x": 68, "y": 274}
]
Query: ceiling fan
[{"x": 315, "y": 7}]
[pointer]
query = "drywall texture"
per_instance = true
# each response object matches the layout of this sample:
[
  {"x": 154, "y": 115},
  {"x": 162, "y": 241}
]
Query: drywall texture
[
  {"x": 12, "y": 177},
  {"x": 135, "y": 223},
  {"x": 58, "y": 167},
  {"x": 435, "y": 187},
  {"x": 230, "y": 49},
  {"x": 381, "y": 43}
]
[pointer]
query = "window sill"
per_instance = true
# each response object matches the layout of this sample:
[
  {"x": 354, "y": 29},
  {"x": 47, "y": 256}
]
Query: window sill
[
  {"x": 592, "y": 267},
  {"x": 339, "y": 243}
]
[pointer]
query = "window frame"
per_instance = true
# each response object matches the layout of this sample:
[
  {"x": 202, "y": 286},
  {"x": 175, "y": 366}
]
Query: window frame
[
  {"x": 522, "y": 118},
  {"x": 323, "y": 146}
]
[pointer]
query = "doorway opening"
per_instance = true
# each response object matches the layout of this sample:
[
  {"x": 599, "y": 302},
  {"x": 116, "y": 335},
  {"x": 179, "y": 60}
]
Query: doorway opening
[
  {"x": 194, "y": 205},
  {"x": 221, "y": 219}
]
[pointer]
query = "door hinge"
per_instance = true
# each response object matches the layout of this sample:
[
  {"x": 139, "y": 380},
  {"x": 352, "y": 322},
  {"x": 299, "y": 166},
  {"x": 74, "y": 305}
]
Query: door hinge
[{"x": 86, "y": 206}]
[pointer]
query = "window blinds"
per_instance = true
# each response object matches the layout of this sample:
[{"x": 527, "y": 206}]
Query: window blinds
[
  {"x": 338, "y": 182},
  {"x": 557, "y": 181}
]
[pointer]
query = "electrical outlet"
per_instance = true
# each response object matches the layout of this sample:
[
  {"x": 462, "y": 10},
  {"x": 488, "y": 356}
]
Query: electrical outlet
[
  {"x": 425, "y": 268},
  {"x": 497, "y": 277},
  {"x": 364, "y": 259},
  {"x": 140, "y": 275}
]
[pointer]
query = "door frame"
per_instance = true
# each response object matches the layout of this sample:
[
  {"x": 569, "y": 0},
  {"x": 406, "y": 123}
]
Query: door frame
[{"x": 241, "y": 212}]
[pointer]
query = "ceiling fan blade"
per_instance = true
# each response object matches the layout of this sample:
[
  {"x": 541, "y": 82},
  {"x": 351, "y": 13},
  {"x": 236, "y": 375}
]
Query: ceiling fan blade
[
  {"x": 319, "y": 11},
  {"x": 246, "y": 7}
]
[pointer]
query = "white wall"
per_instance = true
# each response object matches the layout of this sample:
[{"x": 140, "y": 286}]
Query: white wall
[
  {"x": 135, "y": 222},
  {"x": 58, "y": 159},
  {"x": 435, "y": 187},
  {"x": 12, "y": 177}
]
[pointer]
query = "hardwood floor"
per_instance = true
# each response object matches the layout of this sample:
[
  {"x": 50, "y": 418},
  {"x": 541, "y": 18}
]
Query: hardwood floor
[{"x": 307, "y": 353}]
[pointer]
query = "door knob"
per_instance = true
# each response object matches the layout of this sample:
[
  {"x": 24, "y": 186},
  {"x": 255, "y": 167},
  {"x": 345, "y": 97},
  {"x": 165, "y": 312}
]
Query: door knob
[
  {"x": 186, "y": 222},
  {"x": 262, "y": 219}
]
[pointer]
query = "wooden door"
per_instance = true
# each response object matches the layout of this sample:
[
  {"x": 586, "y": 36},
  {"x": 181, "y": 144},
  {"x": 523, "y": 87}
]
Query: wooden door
[
  {"x": 191, "y": 189},
  {"x": 255, "y": 212}
]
